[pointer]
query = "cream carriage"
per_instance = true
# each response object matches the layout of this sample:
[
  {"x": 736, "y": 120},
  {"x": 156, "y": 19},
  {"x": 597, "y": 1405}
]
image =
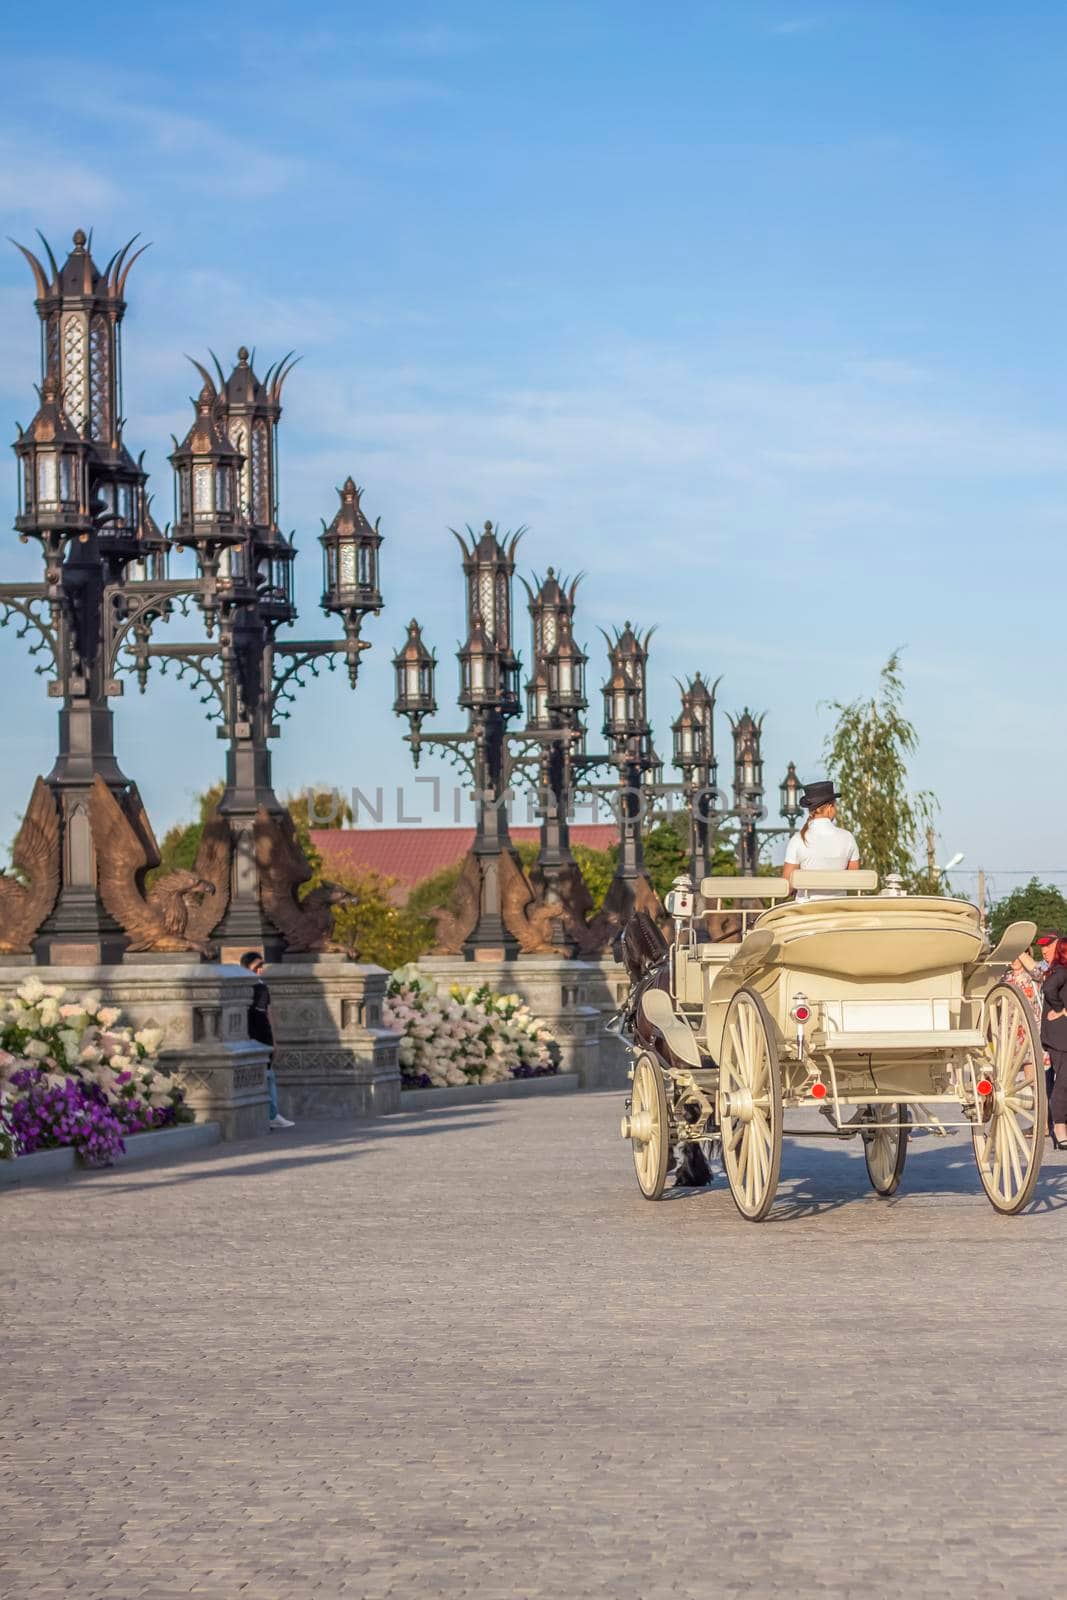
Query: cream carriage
[{"x": 887, "y": 1013}]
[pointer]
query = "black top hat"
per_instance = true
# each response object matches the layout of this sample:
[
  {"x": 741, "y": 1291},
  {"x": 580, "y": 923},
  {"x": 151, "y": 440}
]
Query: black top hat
[{"x": 818, "y": 794}]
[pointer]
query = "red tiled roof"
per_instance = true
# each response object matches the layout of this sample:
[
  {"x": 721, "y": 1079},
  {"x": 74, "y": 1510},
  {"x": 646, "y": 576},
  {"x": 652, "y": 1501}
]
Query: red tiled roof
[{"x": 411, "y": 854}]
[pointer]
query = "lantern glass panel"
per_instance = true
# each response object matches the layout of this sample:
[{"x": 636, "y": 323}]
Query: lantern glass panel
[
  {"x": 184, "y": 505},
  {"x": 477, "y": 673},
  {"x": 363, "y": 567},
  {"x": 223, "y": 487},
  {"x": 347, "y": 565},
  {"x": 47, "y": 477},
  {"x": 203, "y": 490},
  {"x": 485, "y": 602}
]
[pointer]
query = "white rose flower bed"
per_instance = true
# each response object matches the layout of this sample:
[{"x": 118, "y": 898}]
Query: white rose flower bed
[{"x": 464, "y": 1035}]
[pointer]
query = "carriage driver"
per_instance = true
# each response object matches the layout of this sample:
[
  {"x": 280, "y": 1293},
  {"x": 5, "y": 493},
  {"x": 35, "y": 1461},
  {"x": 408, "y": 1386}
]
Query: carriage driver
[{"x": 820, "y": 845}]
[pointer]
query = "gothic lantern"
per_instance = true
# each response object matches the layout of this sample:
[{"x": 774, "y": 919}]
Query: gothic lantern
[
  {"x": 566, "y": 672},
  {"x": 748, "y": 761},
  {"x": 688, "y": 732},
  {"x": 489, "y": 676},
  {"x": 53, "y": 480},
  {"x": 620, "y": 706},
  {"x": 149, "y": 564},
  {"x": 625, "y": 710},
  {"x": 414, "y": 666},
  {"x": 488, "y": 566},
  {"x": 538, "y": 708},
  {"x": 206, "y": 468},
  {"x": 789, "y": 790},
  {"x": 350, "y": 557},
  {"x": 274, "y": 559}
]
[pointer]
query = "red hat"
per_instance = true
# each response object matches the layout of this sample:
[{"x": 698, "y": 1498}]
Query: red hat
[{"x": 1047, "y": 938}]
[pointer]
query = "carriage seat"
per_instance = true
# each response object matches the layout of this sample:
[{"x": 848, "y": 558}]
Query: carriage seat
[{"x": 877, "y": 936}]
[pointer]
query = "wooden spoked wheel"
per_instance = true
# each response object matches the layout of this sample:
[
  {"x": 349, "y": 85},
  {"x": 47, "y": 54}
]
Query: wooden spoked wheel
[
  {"x": 885, "y": 1149},
  {"x": 1009, "y": 1136},
  {"x": 750, "y": 1105},
  {"x": 648, "y": 1127}
]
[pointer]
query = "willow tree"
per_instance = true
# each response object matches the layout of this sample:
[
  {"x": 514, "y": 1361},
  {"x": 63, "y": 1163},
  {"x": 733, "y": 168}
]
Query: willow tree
[{"x": 867, "y": 757}]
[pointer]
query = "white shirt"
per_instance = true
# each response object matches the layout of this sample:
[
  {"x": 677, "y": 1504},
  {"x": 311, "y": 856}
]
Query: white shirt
[{"x": 827, "y": 848}]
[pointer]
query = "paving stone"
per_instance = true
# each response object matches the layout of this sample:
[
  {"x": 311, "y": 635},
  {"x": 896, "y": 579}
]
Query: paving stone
[{"x": 455, "y": 1353}]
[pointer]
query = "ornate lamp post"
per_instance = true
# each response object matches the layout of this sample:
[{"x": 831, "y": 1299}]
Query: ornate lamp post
[
  {"x": 82, "y": 498},
  {"x": 629, "y": 735},
  {"x": 226, "y": 513},
  {"x": 694, "y": 754},
  {"x": 485, "y": 924},
  {"x": 555, "y": 700}
]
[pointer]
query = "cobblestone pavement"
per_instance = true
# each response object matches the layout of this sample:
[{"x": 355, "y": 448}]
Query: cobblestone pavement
[{"x": 456, "y": 1354}]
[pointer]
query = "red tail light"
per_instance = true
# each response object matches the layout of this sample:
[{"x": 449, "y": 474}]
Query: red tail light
[
  {"x": 984, "y": 1086},
  {"x": 801, "y": 1013},
  {"x": 818, "y": 1091}
]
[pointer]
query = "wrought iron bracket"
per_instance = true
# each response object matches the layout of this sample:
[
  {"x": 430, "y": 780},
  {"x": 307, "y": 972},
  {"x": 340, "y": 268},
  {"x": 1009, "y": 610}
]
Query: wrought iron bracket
[
  {"x": 131, "y": 610},
  {"x": 304, "y": 657},
  {"x": 193, "y": 663},
  {"x": 459, "y": 749},
  {"x": 33, "y": 602}
]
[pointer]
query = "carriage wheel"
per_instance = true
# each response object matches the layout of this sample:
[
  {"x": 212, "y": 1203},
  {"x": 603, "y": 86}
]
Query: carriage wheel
[
  {"x": 750, "y": 1105},
  {"x": 648, "y": 1127},
  {"x": 1009, "y": 1138},
  {"x": 885, "y": 1150}
]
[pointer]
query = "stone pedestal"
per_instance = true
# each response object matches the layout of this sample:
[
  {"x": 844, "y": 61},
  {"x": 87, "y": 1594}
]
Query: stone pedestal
[
  {"x": 332, "y": 1056},
  {"x": 556, "y": 989},
  {"x": 203, "y": 1011}
]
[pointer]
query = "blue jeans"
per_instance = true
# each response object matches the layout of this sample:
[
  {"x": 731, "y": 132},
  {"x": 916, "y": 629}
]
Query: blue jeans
[{"x": 272, "y": 1091}]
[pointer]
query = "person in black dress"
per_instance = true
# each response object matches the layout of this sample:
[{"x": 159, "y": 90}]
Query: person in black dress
[{"x": 1054, "y": 1037}]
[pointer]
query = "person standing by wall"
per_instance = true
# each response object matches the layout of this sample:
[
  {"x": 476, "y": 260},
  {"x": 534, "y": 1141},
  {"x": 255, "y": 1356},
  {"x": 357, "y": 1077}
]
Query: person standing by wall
[
  {"x": 1054, "y": 1038},
  {"x": 261, "y": 1029}
]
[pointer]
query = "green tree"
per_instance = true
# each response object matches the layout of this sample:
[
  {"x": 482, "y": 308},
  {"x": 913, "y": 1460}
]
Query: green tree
[
  {"x": 666, "y": 847},
  {"x": 384, "y": 933},
  {"x": 597, "y": 868},
  {"x": 434, "y": 892},
  {"x": 867, "y": 758},
  {"x": 1040, "y": 903}
]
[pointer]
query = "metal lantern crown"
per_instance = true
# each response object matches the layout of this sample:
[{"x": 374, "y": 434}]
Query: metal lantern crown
[
  {"x": 350, "y": 557},
  {"x": 694, "y": 730},
  {"x": 414, "y": 667},
  {"x": 625, "y": 709},
  {"x": 559, "y": 665}
]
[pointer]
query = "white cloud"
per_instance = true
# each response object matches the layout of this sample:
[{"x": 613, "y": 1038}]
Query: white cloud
[
  {"x": 41, "y": 187},
  {"x": 790, "y": 26}
]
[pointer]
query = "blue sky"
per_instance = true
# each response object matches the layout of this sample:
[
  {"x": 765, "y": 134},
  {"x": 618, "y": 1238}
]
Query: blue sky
[{"x": 753, "y": 311}]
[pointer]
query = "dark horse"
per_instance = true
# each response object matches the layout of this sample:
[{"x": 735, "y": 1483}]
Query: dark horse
[{"x": 645, "y": 953}]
